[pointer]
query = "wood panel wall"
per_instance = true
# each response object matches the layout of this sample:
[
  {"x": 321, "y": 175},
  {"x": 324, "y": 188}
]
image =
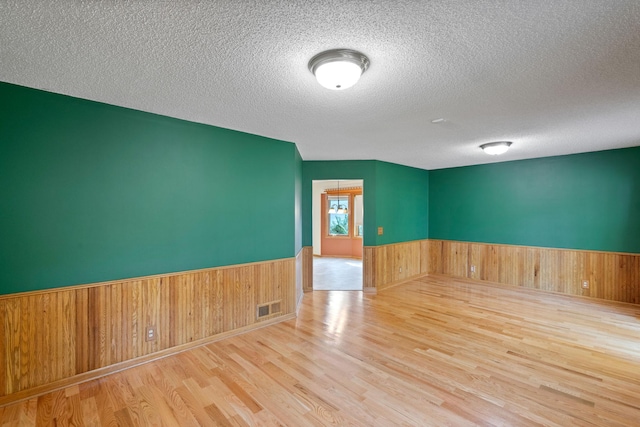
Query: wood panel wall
[
  {"x": 388, "y": 265},
  {"x": 307, "y": 268},
  {"x": 299, "y": 278},
  {"x": 612, "y": 276},
  {"x": 50, "y": 336}
]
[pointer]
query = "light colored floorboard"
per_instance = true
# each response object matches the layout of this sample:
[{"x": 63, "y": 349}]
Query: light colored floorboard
[{"x": 435, "y": 351}]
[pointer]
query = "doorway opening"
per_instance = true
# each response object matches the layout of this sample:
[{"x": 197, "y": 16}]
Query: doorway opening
[{"x": 337, "y": 227}]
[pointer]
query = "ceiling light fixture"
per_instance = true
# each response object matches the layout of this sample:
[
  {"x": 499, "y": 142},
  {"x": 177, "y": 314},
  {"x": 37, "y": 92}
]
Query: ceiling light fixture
[
  {"x": 495, "y": 148},
  {"x": 337, "y": 207},
  {"x": 338, "y": 69}
]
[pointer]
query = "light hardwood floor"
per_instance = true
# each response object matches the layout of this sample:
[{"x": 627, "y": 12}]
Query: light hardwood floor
[{"x": 435, "y": 351}]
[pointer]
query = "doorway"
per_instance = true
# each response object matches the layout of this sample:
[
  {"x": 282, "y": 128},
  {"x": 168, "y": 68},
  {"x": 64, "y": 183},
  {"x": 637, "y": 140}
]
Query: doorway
[{"x": 337, "y": 227}]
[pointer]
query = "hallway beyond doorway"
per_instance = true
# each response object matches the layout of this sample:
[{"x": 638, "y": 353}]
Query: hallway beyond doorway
[{"x": 337, "y": 274}]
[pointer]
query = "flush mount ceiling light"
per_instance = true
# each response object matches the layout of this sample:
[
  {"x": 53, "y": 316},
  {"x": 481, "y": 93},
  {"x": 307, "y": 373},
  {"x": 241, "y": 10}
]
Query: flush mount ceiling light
[
  {"x": 495, "y": 148},
  {"x": 338, "y": 69}
]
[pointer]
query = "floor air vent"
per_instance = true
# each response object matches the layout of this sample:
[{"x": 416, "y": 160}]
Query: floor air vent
[{"x": 265, "y": 310}]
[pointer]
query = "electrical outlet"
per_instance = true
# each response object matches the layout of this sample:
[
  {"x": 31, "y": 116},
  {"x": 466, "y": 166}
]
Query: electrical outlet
[
  {"x": 400, "y": 269},
  {"x": 380, "y": 231},
  {"x": 585, "y": 284},
  {"x": 473, "y": 268},
  {"x": 151, "y": 333}
]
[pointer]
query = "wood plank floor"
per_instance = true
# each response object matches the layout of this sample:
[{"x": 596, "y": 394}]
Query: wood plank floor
[{"x": 436, "y": 351}]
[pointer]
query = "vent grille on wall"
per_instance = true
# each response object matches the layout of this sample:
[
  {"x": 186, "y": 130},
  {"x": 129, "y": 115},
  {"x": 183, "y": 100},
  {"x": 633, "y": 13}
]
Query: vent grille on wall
[
  {"x": 268, "y": 309},
  {"x": 263, "y": 311}
]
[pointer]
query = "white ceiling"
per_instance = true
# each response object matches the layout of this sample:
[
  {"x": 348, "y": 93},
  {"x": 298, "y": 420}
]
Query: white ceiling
[{"x": 555, "y": 76}]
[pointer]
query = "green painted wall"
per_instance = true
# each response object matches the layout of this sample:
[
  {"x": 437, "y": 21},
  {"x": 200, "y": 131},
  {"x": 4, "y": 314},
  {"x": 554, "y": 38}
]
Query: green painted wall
[
  {"x": 402, "y": 203},
  {"x": 395, "y": 198},
  {"x": 298, "y": 201},
  {"x": 342, "y": 169},
  {"x": 581, "y": 201},
  {"x": 91, "y": 192}
]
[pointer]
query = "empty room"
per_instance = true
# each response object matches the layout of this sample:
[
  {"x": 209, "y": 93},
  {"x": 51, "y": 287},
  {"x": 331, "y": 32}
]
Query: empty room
[{"x": 171, "y": 173}]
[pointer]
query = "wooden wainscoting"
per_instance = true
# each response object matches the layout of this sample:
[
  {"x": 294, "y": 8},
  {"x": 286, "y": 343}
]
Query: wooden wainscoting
[
  {"x": 612, "y": 276},
  {"x": 299, "y": 278},
  {"x": 388, "y": 265},
  {"x": 307, "y": 268},
  {"x": 56, "y": 337}
]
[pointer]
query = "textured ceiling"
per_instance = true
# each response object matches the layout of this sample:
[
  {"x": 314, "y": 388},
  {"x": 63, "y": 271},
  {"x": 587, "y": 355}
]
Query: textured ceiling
[{"x": 555, "y": 76}]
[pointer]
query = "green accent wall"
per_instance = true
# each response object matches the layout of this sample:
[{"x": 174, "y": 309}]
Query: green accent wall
[
  {"x": 395, "y": 198},
  {"x": 298, "y": 201},
  {"x": 402, "y": 203},
  {"x": 340, "y": 169},
  {"x": 584, "y": 201},
  {"x": 92, "y": 192}
]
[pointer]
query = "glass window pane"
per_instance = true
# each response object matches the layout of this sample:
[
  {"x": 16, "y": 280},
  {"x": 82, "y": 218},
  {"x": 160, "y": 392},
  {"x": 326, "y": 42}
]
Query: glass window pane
[
  {"x": 338, "y": 224},
  {"x": 338, "y": 219}
]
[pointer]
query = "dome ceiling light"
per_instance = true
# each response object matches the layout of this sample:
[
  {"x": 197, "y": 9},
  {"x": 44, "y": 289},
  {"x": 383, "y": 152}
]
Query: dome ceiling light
[
  {"x": 495, "y": 148},
  {"x": 338, "y": 69}
]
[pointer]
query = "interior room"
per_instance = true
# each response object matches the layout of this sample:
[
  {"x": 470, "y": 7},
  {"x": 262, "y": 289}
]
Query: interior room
[
  {"x": 338, "y": 228},
  {"x": 172, "y": 172}
]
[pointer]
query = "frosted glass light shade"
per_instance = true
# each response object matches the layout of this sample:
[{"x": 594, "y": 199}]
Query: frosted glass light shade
[
  {"x": 495, "y": 148},
  {"x": 338, "y": 75},
  {"x": 338, "y": 69}
]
